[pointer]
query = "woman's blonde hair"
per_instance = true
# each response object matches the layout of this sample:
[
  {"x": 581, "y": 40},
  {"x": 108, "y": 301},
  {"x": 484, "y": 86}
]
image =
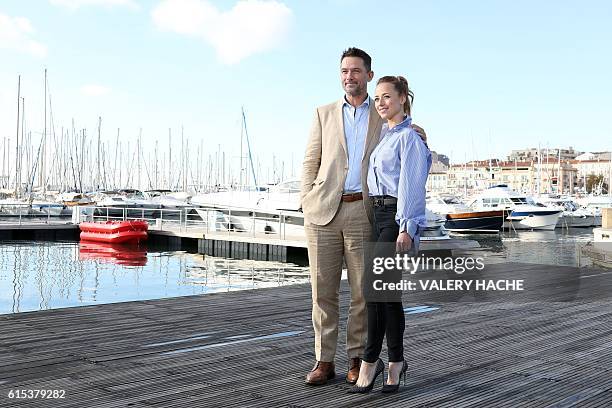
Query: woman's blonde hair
[{"x": 401, "y": 86}]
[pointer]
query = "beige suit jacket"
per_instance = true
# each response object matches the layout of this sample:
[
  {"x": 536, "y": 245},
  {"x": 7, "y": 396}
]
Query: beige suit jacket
[{"x": 326, "y": 163}]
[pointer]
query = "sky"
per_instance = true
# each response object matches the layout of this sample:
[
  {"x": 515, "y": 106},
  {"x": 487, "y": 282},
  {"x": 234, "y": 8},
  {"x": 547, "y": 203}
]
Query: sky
[{"x": 488, "y": 76}]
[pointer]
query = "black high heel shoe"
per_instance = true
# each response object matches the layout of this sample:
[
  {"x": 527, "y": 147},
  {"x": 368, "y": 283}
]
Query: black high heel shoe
[
  {"x": 389, "y": 388},
  {"x": 380, "y": 368}
]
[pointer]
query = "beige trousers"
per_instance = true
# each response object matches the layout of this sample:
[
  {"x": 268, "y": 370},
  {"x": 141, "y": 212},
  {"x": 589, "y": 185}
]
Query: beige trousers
[{"x": 344, "y": 238}]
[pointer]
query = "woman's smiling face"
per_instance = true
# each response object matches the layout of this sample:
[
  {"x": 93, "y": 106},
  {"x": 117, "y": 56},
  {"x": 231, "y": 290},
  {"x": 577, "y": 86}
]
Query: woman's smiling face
[{"x": 389, "y": 103}]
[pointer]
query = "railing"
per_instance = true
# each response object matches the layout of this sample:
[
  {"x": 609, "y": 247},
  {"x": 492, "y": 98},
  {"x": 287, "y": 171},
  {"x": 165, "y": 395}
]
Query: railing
[
  {"x": 216, "y": 220},
  {"x": 26, "y": 212}
]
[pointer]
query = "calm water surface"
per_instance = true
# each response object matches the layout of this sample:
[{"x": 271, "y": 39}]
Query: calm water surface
[
  {"x": 47, "y": 275},
  {"x": 558, "y": 247}
]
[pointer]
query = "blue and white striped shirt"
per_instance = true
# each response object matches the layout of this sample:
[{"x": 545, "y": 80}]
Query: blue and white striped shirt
[
  {"x": 355, "y": 130},
  {"x": 399, "y": 166}
]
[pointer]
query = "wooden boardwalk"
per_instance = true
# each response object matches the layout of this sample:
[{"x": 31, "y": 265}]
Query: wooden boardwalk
[{"x": 253, "y": 348}]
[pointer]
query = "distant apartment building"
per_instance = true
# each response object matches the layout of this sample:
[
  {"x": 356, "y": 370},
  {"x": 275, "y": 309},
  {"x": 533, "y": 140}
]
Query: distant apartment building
[
  {"x": 437, "y": 181},
  {"x": 438, "y": 178},
  {"x": 529, "y": 154},
  {"x": 523, "y": 171},
  {"x": 475, "y": 175},
  {"x": 593, "y": 164},
  {"x": 522, "y": 176}
]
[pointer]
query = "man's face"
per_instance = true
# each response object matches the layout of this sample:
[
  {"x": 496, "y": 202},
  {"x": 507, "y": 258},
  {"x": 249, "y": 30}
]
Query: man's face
[{"x": 354, "y": 76}]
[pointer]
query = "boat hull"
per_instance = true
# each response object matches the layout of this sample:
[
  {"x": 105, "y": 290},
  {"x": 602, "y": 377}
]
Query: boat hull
[
  {"x": 545, "y": 220},
  {"x": 477, "y": 221}
]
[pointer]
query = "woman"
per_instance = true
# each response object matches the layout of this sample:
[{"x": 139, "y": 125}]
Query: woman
[{"x": 397, "y": 177}]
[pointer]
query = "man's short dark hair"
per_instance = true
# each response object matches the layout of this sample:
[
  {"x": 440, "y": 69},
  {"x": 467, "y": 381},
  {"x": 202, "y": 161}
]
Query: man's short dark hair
[{"x": 356, "y": 52}]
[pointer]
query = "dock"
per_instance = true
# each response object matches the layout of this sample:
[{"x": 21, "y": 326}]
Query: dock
[
  {"x": 548, "y": 348},
  {"x": 259, "y": 246}
]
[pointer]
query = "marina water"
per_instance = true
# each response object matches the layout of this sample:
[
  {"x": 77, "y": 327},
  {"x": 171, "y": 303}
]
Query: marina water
[{"x": 40, "y": 275}]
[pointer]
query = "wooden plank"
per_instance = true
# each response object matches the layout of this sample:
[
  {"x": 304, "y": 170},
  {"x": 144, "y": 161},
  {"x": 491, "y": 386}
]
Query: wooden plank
[{"x": 232, "y": 349}]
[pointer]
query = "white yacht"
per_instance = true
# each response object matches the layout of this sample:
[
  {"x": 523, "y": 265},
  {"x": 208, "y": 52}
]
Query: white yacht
[
  {"x": 118, "y": 204},
  {"x": 461, "y": 218},
  {"x": 573, "y": 215},
  {"x": 596, "y": 203},
  {"x": 524, "y": 212},
  {"x": 11, "y": 207},
  {"x": 50, "y": 208},
  {"x": 272, "y": 210},
  {"x": 275, "y": 210},
  {"x": 167, "y": 199}
]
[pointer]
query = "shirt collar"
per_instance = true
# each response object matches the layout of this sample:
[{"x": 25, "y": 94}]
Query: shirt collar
[
  {"x": 403, "y": 124},
  {"x": 365, "y": 103}
]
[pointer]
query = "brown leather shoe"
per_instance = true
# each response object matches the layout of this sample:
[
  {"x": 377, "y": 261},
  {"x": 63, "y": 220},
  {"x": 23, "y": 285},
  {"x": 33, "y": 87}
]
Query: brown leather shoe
[
  {"x": 320, "y": 373},
  {"x": 353, "y": 372}
]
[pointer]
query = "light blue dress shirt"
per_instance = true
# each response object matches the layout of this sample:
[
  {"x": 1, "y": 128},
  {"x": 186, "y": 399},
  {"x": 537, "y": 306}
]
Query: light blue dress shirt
[
  {"x": 399, "y": 166},
  {"x": 355, "y": 131}
]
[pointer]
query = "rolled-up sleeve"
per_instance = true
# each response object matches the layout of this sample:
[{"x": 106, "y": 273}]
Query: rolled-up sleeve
[{"x": 415, "y": 162}]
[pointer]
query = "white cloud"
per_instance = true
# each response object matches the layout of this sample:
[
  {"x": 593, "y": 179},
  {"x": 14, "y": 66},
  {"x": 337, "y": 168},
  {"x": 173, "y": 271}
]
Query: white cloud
[
  {"x": 94, "y": 90},
  {"x": 76, "y": 4},
  {"x": 250, "y": 27},
  {"x": 16, "y": 34}
]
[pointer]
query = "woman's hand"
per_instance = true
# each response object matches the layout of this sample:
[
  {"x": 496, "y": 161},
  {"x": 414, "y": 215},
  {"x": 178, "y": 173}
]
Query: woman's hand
[
  {"x": 403, "y": 242},
  {"x": 420, "y": 131}
]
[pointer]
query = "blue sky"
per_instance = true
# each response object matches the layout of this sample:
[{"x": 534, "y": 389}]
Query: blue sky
[{"x": 487, "y": 76}]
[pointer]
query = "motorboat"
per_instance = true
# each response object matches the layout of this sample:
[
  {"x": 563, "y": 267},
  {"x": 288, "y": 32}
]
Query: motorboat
[
  {"x": 49, "y": 208},
  {"x": 167, "y": 199},
  {"x": 524, "y": 213},
  {"x": 141, "y": 206},
  {"x": 435, "y": 229},
  {"x": 18, "y": 208},
  {"x": 596, "y": 202},
  {"x": 71, "y": 199},
  {"x": 572, "y": 216},
  {"x": 274, "y": 210},
  {"x": 117, "y": 204},
  {"x": 461, "y": 218}
]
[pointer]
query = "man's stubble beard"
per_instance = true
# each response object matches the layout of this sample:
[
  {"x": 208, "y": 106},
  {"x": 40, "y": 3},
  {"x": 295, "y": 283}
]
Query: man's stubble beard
[{"x": 360, "y": 91}]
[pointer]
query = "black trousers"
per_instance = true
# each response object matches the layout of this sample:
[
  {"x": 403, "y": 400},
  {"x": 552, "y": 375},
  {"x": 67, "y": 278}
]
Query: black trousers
[{"x": 385, "y": 318}]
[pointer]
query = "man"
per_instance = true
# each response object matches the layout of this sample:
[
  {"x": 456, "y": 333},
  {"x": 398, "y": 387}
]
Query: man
[{"x": 337, "y": 212}]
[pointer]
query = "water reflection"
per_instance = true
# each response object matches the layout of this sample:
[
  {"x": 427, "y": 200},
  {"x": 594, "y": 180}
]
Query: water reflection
[
  {"x": 128, "y": 255},
  {"x": 47, "y": 275},
  {"x": 558, "y": 247}
]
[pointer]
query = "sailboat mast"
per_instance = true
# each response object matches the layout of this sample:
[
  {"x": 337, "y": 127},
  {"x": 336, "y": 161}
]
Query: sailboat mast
[
  {"x": 246, "y": 134},
  {"x": 185, "y": 155},
  {"x": 17, "y": 148},
  {"x": 41, "y": 176},
  {"x": 241, "y": 166},
  {"x": 138, "y": 151},
  {"x": 98, "y": 159},
  {"x": 559, "y": 174}
]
